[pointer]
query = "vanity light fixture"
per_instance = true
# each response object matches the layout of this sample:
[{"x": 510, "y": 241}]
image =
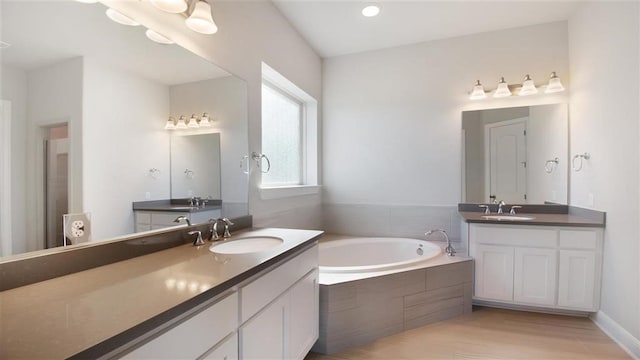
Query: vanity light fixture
[
  {"x": 502, "y": 90},
  {"x": 528, "y": 87},
  {"x": 201, "y": 20},
  {"x": 554, "y": 85},
  {"x": 181, "y": 123},
  {"x": 171, "y": 124},
  {"x": 371, "y": 10},
  {"x": 478, "y": 92},
  {"x": 193, "y": 122},
  {"x": 120, "y": 18},
  {"x": 157, "y": 37},
  {"x": 171, "y": 6},
  {"x": 205, "y": 121}
]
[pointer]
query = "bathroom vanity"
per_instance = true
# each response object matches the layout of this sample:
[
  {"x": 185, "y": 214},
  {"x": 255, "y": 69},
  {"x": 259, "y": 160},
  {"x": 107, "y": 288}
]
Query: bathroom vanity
[
  {"x": 154, "y": 215},
  {"x": 542, "y": 261},
  {"x": 183, "y": 302}
]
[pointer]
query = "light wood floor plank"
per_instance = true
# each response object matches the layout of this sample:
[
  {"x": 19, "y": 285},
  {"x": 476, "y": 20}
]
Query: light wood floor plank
[{"x": 488, "y": 333}]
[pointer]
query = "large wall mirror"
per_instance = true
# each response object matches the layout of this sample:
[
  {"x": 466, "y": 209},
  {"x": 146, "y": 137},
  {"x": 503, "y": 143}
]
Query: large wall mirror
[
  {"x": 86, "y": 100},
  {"x": 517, "y": 155}
]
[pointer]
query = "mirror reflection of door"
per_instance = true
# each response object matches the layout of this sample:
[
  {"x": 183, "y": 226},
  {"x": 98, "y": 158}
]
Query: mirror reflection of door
[
  {"x": 56, "y": 185},
  {"x": 6, "y": 237},
  {"x": 506, "y": 161}
]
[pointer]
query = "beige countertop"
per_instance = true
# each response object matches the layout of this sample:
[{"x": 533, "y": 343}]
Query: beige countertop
[
  {"x": 70, "y": 314},
  {"x": 538, "y": 219}
]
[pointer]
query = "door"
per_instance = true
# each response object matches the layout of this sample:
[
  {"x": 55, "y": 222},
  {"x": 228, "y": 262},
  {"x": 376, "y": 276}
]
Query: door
[
  {"x": 303, "y": 319},
  {"x": 494, "y": 272},
  {"x": 576, "y": 279},
  {"x": 535, "y": 276},
  {"x": 56, "y": 189},
  {"x": 263, "y": 336},
  {"x": 506, "y": 160}
]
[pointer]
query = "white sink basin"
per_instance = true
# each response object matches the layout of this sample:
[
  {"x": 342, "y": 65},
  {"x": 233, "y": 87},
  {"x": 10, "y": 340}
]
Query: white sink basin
[
  {"x": 508, "y": 217},
  {"x": 246, "y": 245}
]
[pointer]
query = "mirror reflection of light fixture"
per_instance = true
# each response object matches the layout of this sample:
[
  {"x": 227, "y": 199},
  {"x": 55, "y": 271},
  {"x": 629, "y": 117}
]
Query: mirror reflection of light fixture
[
  {"x": 554, "y": 85},
  {"x": 502, "y": 90},
  {"x": 121, "y": 18},
  {"x": 171, "y": 6},
  {"x": 528, "y": 87},
  {"x": 181, "y": 123},
  {"x": 204, "y": 121},
  {"x": 193, "y": 122},
  {"x": 201, "y": 20},
  {"x": 171, "y": 124},
  {"x": 478, "y": 92},
  {"x": 157, "y": 37}
]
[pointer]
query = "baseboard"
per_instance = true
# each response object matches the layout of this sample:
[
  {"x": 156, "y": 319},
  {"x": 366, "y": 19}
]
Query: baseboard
[{"x": 616, "y": 332}]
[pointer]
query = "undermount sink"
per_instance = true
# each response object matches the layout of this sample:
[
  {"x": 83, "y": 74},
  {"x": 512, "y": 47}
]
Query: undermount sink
[
  {"x": 508, "y": 217},
  {"x": 246, "y": 245}
]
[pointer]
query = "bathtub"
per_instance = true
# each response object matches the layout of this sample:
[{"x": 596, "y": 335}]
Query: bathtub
[
  {"x": 353, "y": 255},
  {"x": 373, "y": 287}
]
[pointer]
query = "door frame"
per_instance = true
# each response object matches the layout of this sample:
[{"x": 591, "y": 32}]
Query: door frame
[
  {"x": 487, "y": 150},
  {"x": 6, "y": 240}
]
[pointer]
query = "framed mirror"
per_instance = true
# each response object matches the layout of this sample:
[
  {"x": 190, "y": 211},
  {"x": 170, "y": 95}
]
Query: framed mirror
[
  {"x": 517, "y": 155},
  {"x": 86, "y": 100}
]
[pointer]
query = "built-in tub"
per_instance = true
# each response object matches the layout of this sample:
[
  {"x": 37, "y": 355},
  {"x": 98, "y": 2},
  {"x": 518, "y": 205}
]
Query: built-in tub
[{"x": 373, "y": 287}]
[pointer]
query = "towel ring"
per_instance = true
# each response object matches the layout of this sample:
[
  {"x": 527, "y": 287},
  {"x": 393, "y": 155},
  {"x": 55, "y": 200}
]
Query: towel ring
[
  {"x": 580, "y": 157},
  {"x": 549, "y": 165},
  {"x": 258, "y": 159}
]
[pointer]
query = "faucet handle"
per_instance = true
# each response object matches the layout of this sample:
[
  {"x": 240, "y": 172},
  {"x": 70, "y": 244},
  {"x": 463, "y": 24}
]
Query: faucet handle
[
  {"x": 227, "y": 223},
  {"x": 198, "y": 241},
  {"x": 513, "y": 209},
  {"x": 213, "y": 229},
  {"x": 486, "y": 209}
]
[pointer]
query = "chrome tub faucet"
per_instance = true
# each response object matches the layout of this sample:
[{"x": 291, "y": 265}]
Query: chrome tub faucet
[{"x": 449, "y": 249}]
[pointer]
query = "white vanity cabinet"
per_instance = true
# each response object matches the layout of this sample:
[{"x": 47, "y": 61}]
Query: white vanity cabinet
[
  {"x": 279, "y": 311},
  {"x": 538, "y": 266},
  {"x": 146, "y": 220},
  {"x": 272, "y": 315}
]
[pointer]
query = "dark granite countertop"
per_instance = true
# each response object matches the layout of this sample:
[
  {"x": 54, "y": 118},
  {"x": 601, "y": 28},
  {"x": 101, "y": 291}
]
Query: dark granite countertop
[
  {"x": 537, "y": 219},
  {"x": 92, "y": 312}
]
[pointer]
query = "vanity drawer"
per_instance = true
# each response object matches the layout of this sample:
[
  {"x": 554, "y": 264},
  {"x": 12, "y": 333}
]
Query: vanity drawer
[
  {"x": 514, "y": 236},
  {"x": 195, "y": 336},
  {"x": 579, "y": 239},
  {"x": 166, "y": 218}
]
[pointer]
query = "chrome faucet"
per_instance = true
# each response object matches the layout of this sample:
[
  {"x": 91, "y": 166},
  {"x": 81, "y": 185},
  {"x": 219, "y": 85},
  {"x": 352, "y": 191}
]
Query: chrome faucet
[
  {"x": 195, "y": 201},
  {"x": 513, "y": 209},
  {"x": 449, "y": 249},
  {"x": 182, "y": 217},
  {"x": 214, "y": 228},
  {"x": 500, "y": 205},
  {"x": 487, "y": 211},
  {"x": 198, "y": 241}
]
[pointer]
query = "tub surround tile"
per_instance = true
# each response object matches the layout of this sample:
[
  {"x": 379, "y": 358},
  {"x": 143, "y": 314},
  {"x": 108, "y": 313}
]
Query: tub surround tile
[{"x": 391, "y": 303}]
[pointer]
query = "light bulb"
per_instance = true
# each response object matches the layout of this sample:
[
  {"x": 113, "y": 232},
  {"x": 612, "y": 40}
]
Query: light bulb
[
  {"x": 171, "y": 6},
  {"x": 502, "y": 90},
  {"x": 171, "y": 124},
  {"x": 554, "y": 85},
  {"x": 528, "y": 87},
  {"x": 204, "y": 121},
  {"x": 478, "y": 92},
  {"x": 193, "y": 122},
  {"x": 181, "y": 123},
  {"x": 371, "y": 10}
]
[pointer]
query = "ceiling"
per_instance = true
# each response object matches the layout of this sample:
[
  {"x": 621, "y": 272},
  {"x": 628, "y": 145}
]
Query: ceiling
[{"x": 337, "y": 27}]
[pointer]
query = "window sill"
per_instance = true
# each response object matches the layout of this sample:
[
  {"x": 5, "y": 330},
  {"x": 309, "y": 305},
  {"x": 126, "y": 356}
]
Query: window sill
[{"x": 279, "y": 192}]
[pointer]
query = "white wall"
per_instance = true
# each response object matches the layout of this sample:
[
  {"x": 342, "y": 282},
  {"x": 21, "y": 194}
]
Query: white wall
[
  {"x": 14, "y": 89},
  {"x": 250, "y": 32},
  {"x": 122, "y": 112},
  {"x": 392, "y": 120},
  {"x": 54, "y": 97},
  {"x": 225, "y": 99},
  {"x": 603, "y": 52}
]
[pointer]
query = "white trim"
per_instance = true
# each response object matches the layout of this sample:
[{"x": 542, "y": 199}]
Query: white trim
[
  {"x": 6, "y": 247},
  {"x": 270, "y": 193},
  {"x": 616, "y": 332}
]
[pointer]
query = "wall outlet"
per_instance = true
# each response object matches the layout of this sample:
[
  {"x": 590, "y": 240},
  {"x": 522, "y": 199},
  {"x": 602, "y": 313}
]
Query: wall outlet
[{"x": 77, "y": 228}]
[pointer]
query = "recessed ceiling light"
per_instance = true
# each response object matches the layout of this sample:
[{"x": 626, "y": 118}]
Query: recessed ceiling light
[{"x": 371, "y": 10}]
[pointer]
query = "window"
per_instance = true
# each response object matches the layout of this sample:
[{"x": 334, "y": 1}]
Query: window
[
  {"x": 282, "y": 129},
  {"x": 289, "y": 137}
]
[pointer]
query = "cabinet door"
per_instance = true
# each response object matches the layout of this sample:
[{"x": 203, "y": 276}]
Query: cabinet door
[
  {"x": 576, "y": 279},
  {"x": 494, "y": 272},
  {"x": 303, "y": 316},
  {"x": 535, "y": 276},
  {"x": 263, "y": 336},
  {"x": 227, "y": 350}
]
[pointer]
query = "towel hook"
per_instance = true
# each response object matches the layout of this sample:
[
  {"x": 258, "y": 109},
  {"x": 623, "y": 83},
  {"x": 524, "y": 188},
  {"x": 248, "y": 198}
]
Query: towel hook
[
  {"x": 580, "y": 157},
  {"x": 549, "y": 165}
]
